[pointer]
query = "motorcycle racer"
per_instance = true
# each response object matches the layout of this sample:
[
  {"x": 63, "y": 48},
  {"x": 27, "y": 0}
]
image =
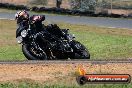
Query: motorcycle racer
[
  {"x": 22, "y": 18},
  {"x": 35, "y": 22}
]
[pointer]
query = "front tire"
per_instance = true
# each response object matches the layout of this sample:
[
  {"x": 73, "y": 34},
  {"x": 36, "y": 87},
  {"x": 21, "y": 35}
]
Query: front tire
[{"x": 29, "y": 54}]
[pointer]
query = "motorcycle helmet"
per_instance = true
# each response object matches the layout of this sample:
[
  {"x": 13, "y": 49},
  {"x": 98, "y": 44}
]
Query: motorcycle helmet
[{"x": 21, "y": 16}]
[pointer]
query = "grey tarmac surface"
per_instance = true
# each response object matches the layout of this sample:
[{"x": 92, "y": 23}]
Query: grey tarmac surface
[
  {"x": 67, "y": 61},
  {"x": 95, "y": 21}
]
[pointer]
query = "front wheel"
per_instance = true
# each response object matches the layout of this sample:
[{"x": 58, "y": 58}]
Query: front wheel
[
  {"x": 80, "y": 51},
  {"x": 33, "y": 54}
]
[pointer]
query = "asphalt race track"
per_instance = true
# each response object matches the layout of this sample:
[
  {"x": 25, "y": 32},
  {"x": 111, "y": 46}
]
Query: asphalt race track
[
  {"x": 66, "y": 61},
  {"x": 97, "y": 21}
]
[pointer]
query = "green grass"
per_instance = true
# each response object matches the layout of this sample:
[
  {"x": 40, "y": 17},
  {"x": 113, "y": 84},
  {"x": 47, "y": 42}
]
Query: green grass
[
  {"x": 102, "y": 43},
  {"x": 11, "y": 53},
  {"x": 36, "y": 85}
]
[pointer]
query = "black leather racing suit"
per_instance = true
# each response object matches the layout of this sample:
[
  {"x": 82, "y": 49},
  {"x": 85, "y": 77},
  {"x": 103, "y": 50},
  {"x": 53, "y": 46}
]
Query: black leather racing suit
[{"x": 24, "y": 24}]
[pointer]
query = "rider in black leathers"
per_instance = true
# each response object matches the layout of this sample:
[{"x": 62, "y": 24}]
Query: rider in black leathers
[{"x": 35, "y": 22}]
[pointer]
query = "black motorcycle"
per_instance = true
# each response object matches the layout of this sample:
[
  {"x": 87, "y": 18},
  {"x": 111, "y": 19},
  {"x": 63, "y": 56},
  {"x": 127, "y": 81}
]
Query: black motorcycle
[{"x": 45, "y": 45}]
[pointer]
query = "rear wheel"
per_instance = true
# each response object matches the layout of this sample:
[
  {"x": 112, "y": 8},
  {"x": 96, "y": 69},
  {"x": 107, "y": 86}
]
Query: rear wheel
[
  {"x": 80, "y": 51},
  {"x": 33, "y": 54}
]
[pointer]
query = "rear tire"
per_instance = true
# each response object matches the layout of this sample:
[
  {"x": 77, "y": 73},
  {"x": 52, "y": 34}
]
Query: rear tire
[
  {"x": 26, "y": 49},
  {"x": 80, "y": 51}
]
